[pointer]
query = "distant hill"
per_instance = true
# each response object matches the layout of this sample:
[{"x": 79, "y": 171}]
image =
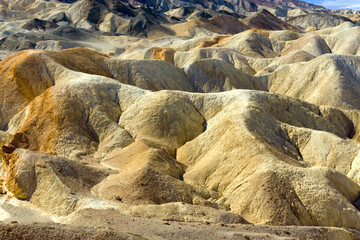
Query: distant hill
[{"x": 229, "y": 5}]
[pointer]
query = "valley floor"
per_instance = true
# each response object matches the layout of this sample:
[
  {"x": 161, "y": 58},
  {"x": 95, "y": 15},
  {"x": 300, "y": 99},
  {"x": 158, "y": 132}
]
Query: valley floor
[{"x": 143, "y": 228}]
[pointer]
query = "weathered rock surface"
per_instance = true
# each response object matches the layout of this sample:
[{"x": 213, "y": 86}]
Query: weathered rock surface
[
  {"x": 190, "y": 114},
  {"x": 338, "y": 74},
  {"x": 180, "y": 149},
  {"x": 265, "y": 20},
  {"x": 50, "y": 183},
  {"x": 172, "y": 141},
  {"x": 250, "y": 43},
  {"x": 317, "y": 21},
  {"x": 342, "y": 39}
]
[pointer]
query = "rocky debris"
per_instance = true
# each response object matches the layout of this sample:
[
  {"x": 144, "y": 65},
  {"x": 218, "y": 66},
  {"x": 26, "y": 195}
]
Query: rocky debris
[{"x": 56, "y": 231}]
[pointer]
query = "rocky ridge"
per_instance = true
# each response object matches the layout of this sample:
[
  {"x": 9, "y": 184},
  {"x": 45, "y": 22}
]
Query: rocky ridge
[{"x": 189, "y": 114}]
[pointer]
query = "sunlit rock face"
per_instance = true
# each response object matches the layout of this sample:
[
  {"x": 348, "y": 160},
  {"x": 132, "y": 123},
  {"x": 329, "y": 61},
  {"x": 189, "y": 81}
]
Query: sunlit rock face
[{"x": 218, "y": 112}]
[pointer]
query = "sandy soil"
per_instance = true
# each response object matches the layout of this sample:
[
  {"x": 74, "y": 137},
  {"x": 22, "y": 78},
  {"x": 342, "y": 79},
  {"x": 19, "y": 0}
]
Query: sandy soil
[
  {"x": 157, "y": 229},
  {"x": 125, "y": 227},
  {"x": 23, "y": 220},
  {"x": 16, "y": 231}
]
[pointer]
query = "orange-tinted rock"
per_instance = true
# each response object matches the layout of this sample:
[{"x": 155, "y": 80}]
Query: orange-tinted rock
[
  {"x": 164, "y": 54},
  {"x": 212, "y": 42},
  {"x": 29, "y": 73}
]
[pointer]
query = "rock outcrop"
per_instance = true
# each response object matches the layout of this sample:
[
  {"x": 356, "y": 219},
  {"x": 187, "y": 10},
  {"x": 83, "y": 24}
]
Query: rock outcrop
[
  {"x": 170, "y": 146},
  {"x": 111, "y": 111},
  {"x": 317, "y": 21}
]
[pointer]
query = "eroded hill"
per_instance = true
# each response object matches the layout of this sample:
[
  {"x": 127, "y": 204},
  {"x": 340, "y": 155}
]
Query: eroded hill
[{"x": 190, "y": 114}]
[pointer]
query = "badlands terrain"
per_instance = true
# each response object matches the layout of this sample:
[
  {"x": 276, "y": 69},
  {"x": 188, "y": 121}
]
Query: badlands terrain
[{"x": 179, "y": 120}]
